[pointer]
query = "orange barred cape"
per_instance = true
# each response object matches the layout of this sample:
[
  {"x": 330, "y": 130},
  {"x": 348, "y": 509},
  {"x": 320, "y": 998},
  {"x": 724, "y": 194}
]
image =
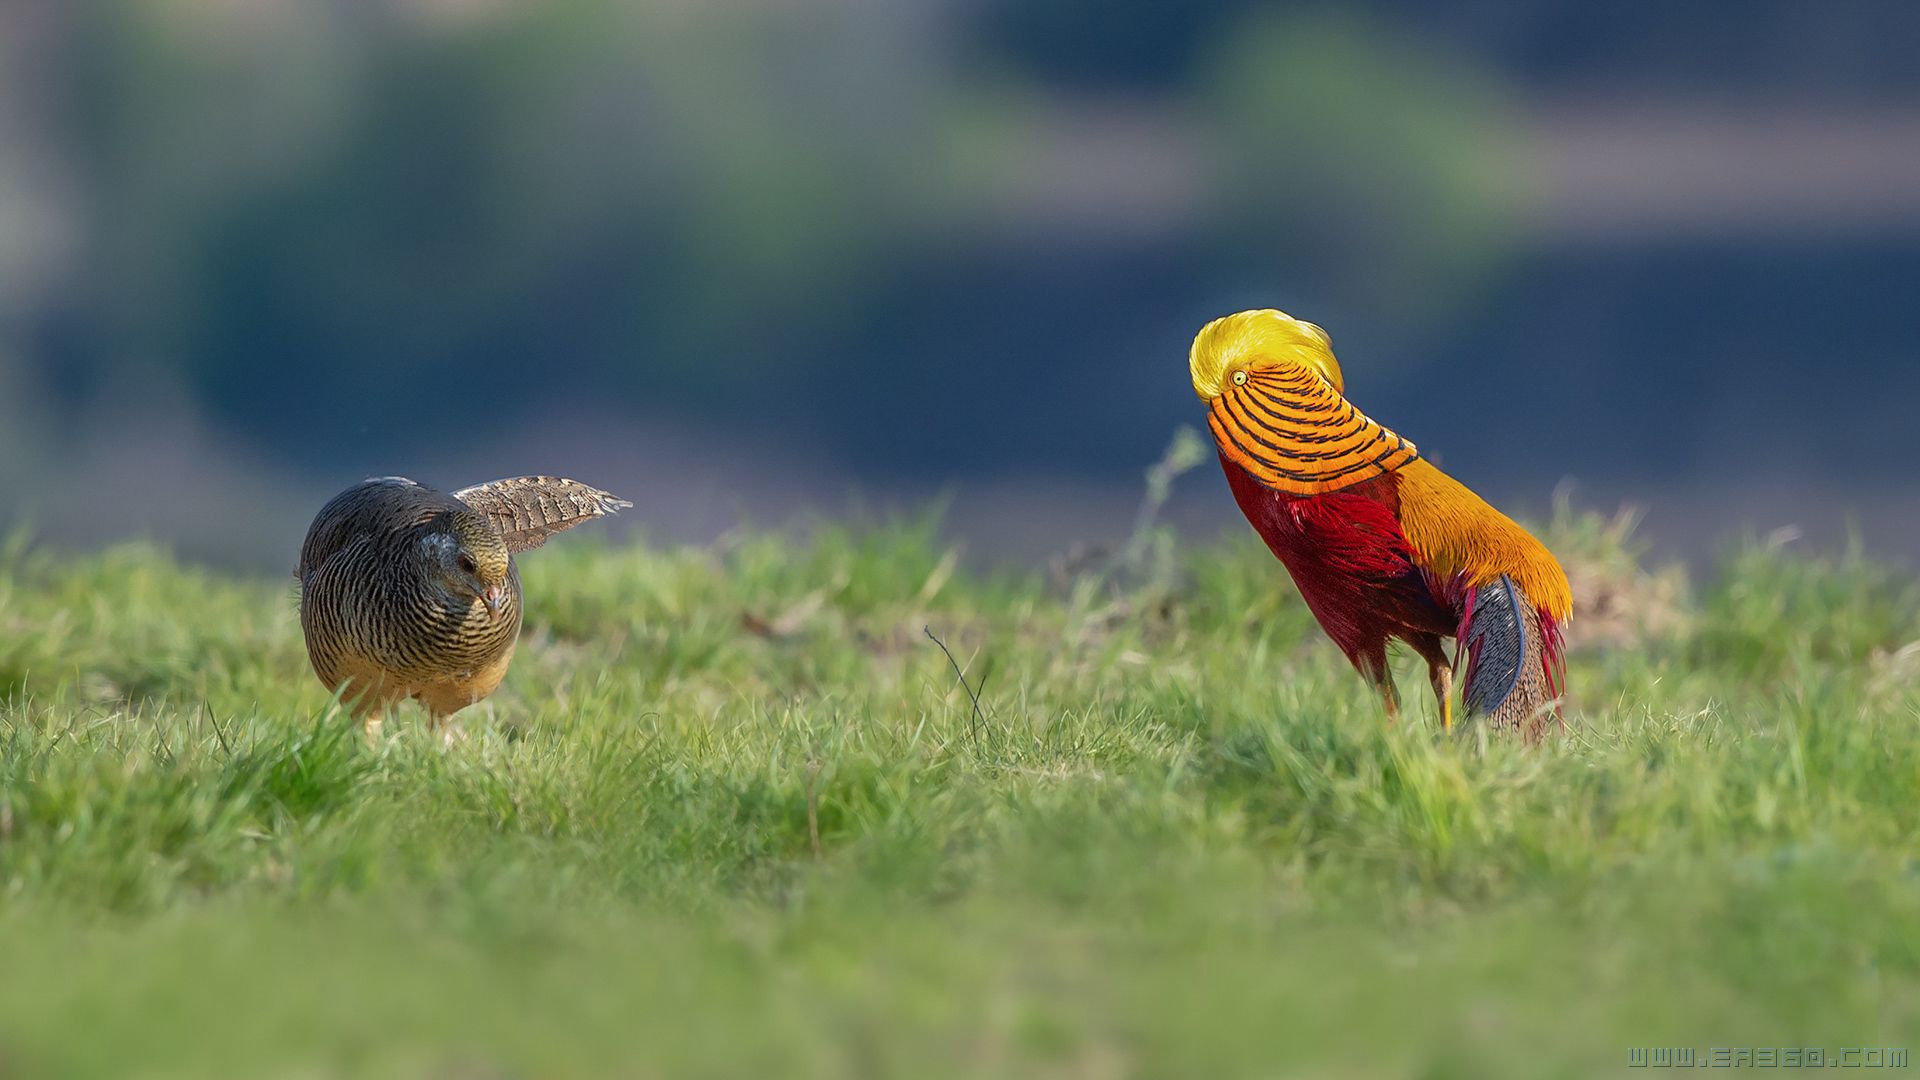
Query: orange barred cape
[{"x": 1295, "y": 433}]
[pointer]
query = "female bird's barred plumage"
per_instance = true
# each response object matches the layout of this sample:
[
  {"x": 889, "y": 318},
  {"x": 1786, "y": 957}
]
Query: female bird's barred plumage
[
  {"x": 1382, "y": 545},
  {"x": 410, "y": 592}
]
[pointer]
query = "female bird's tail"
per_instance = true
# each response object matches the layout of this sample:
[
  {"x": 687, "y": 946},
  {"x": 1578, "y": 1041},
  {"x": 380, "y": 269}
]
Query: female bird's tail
[
  {"x": 528, "y": 509},
  {"x": 1515, "y": 670}
]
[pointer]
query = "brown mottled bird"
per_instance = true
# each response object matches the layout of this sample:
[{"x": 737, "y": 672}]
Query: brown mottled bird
[{"x": 410, "y": 592}]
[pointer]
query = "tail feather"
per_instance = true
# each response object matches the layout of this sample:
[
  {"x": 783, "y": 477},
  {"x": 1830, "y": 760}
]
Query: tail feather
[
  {"x": 528, "y": 509},
  {"x": 1513, "y": 660}
]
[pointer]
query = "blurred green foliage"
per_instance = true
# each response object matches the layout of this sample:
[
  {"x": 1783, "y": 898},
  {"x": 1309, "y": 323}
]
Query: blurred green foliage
[
  {"x": 357, "y": 191},
  {"x": 297, "y": 204},
  {"x": 1390, "y": 169}
]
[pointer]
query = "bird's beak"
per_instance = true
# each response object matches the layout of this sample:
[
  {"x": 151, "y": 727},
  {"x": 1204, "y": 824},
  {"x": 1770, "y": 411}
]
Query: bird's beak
[{"x": 495, "y": 598}]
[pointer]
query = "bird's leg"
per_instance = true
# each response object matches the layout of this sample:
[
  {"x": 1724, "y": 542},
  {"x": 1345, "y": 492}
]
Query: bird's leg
[
  {"x": 451, "y": 734},
  {"x": 1374, "y": 668},
  {"x": 1439, "y": 676},
  {"x": 372, "y": 713},
  {"x": 369, "y": 709}
]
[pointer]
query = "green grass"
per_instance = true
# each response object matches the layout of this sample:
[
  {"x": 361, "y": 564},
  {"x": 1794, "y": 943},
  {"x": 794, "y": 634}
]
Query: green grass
[{"x": 731, "y": 814}]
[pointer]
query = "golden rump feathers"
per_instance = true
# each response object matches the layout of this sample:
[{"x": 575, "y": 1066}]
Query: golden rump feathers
[{"x": 1457, "y": 533}]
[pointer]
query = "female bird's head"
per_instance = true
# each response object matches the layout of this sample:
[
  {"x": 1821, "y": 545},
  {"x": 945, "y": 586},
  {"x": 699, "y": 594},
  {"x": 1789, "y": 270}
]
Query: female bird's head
[
  {"x": 1228, "y": 347},
  {"x": 469, "y": 559}
]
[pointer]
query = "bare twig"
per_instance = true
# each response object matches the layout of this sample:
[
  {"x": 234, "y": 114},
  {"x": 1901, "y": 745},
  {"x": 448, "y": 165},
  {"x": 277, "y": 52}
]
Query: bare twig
[
  {"x": 974, "y": 722},
  {"x": 1186, "y": 451}
]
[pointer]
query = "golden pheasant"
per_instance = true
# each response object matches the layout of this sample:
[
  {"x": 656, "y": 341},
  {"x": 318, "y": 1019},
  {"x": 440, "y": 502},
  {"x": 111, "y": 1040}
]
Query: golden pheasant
[
  {"x": 1380, "y": 543},
  {"x": 409, "y": 592}
]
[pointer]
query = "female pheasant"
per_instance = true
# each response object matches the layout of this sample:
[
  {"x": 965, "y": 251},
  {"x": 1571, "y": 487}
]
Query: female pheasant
[
  {"x": 1381, "y": 544},
  {"x": 409, "y": 592}
]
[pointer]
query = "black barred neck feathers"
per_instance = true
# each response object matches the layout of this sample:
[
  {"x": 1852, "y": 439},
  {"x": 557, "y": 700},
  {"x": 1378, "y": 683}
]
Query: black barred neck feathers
[
  {"x": 1274, "y": 406},
  {"x": 1294, "y": 434}
]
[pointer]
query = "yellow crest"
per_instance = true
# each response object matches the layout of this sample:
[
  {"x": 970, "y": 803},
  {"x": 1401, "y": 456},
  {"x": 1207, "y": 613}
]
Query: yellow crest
[{"x": 1236, "y": 342}]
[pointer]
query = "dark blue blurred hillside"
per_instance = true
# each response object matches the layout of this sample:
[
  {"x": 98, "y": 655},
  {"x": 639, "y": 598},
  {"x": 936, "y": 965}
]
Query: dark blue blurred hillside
[{"x": 754, "y": 257}]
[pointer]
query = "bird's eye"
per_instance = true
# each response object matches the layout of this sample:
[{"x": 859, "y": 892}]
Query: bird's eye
[
  {"x": 467, "y": 565},
  {"x": 1239, "y": 378}
]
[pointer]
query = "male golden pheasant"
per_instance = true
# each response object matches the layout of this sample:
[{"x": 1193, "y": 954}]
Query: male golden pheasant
[
  {"x": 409, "y": 592},
  {"x": 1381, "y": 544}
]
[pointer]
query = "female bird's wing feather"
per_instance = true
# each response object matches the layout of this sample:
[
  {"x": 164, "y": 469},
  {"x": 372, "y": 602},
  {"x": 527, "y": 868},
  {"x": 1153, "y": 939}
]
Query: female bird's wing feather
[{"x": 529, "y": 509}]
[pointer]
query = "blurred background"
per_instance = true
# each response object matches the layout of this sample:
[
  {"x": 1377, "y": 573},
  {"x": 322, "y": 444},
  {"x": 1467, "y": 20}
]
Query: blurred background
[{"x": 754, "y": 259}]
